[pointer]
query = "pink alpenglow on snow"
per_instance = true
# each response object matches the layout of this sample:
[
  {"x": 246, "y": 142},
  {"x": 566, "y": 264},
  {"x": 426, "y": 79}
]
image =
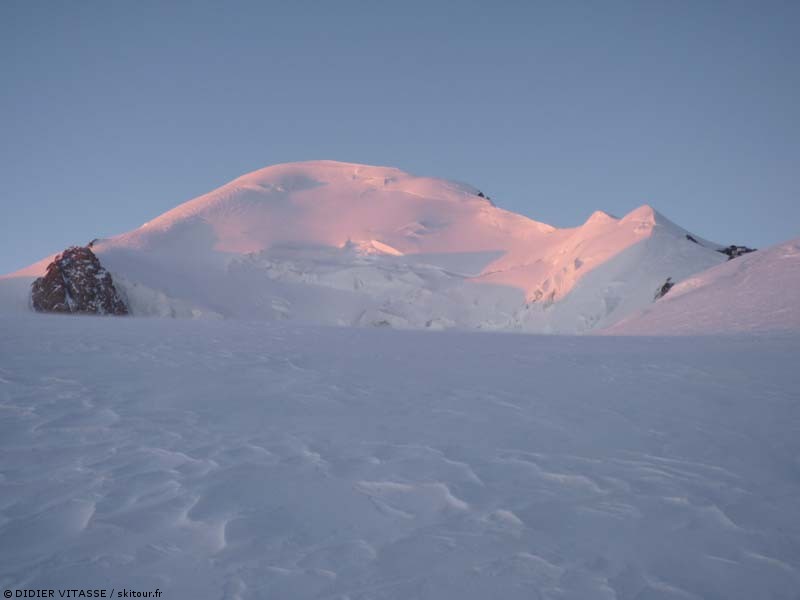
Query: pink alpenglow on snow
[{"x": 348, "y": 244}]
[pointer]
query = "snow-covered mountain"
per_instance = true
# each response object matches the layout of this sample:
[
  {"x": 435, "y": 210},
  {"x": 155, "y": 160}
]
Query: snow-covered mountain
[
  {"x": 754, "y": 293},
  {"x": 349, "y": 244}
]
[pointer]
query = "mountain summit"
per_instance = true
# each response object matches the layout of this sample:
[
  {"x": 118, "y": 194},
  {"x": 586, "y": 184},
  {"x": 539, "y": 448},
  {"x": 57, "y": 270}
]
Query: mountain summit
[{"x": 352, "y": 244}]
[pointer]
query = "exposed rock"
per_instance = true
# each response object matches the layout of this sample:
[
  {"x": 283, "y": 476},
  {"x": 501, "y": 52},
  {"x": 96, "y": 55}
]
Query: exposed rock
[
  {"x": 76, "y": 282},
  {"x": 731, "y": 251},
  {"x": 735, "y": 251},
  {"x": 662, "y": 291},
  {"x": 486, "y": 197}
]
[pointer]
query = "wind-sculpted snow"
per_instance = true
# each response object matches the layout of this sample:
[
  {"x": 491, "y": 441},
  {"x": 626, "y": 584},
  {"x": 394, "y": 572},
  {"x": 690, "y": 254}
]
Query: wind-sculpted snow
[
  {"x": 346, "y": 244},
  {"x": 232, "y": 459}
]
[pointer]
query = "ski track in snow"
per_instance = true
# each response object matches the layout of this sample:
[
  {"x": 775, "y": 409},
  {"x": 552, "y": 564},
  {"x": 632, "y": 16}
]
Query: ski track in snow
[{"x": 253, "y": 460}]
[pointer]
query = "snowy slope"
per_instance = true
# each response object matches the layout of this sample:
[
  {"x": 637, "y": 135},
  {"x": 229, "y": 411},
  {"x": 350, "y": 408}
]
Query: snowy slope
[
  {"x": 348, "y": 244},
  {"x": 253, "y": 460},
  {"x": 756, "y": 292}
]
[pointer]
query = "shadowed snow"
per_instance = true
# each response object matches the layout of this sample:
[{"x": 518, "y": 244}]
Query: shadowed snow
[{"x": 216, "y": 459}]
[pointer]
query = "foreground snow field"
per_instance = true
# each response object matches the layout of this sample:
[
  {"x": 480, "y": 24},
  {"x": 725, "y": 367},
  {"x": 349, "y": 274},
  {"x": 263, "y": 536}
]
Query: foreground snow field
[{"x": 252, "y": 460}]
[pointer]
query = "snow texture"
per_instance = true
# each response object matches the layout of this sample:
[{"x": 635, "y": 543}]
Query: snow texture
[{"x": 234, "y": 459}]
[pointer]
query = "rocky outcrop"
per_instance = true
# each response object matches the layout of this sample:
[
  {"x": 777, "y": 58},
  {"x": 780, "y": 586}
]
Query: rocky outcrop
[
  {"x": 662, "y": 291},
  {"x": 735, "y": 251},
  {"x": 76, "y": 282},
  {"x": 486, "y": 197},
  {"x": 732, "y": 251}
]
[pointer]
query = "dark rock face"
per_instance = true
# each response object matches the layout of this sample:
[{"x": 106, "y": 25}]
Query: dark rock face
[
  {"x": 731, "y": 251},
  {"x": 662, "y": 291},
  {"x": 735, "y": 251},
  {"x": 76, "y": 282}
]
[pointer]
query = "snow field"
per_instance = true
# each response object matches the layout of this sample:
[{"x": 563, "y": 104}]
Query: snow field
[
  {"x": 234, "y": 459},
  {"x": 756, "y": 292}
]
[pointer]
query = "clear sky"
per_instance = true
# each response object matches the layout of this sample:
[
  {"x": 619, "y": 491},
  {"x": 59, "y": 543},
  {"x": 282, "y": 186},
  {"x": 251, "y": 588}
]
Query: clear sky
[{"x": 114, "y": 112}]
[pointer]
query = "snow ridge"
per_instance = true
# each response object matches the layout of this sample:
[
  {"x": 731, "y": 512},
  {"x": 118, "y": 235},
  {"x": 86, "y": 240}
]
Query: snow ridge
[{"x": 756, "y": 292}]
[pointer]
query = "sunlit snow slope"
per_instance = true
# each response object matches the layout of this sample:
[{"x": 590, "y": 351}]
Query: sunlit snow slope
[
  {"x": 349, "y": 244},
  {"x": 252, "y": 461},
  {"x": 756, "y": 292}
]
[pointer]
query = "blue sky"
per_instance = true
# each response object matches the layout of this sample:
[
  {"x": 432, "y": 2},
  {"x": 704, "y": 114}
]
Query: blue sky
[{"x": 114, "y": 112}]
